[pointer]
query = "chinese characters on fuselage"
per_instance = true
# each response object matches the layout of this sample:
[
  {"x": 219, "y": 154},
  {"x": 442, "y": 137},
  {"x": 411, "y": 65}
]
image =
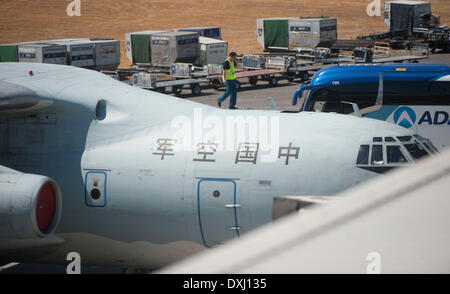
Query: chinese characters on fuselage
[
  {"x": 165, "y": 147},
  {"x": 246, "y": 153}
]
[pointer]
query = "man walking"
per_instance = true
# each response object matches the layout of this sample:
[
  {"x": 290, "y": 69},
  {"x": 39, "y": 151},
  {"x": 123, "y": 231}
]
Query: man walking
[{"x": 229, "y": 78}]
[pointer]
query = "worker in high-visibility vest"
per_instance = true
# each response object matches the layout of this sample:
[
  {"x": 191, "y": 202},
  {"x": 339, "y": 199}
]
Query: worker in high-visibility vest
[{"x": 229, "y": 78}]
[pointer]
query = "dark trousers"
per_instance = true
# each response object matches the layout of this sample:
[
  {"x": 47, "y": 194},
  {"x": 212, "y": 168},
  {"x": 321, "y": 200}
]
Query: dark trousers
[{"x": 231, "y": 91}]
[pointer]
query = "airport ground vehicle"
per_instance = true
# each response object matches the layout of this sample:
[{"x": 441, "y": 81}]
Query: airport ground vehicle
[{"x": 415, "y": 96}]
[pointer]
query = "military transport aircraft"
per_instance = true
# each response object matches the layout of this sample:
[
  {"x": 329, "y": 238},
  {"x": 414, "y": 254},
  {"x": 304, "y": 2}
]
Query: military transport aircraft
[{"x": 121, "y": 175}]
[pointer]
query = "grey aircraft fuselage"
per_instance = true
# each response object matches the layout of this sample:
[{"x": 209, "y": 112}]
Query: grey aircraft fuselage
[{"x": 132, "y": 197}]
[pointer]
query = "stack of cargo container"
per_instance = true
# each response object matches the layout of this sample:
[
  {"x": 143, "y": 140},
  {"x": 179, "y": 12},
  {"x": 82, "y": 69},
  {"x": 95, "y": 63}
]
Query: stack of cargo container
[
  {"x": 175, "y": 46},
  {"x": 198, "y": 45},
  {"x": 80, "y": 52},
  {"x": 138, "y": 46},
  {"x": 99, "y": 54},
  {"x": 294, "y": 33},
  {"x": 35, "y": 52},
  {"x": 42, "y": 52}
]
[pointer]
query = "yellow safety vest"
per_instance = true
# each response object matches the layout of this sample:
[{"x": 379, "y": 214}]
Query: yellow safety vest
[{"x": 229, "y": 73}]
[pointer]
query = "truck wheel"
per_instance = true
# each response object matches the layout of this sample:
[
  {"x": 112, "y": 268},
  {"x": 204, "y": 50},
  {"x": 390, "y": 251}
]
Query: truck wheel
[
  {"x": 265, "y": 77},
  {"x": 273, "y": 81},
  {"x": 161, "y": 90},
  {"x": 177, "y": 89},
  {"x": 216, "y": 84},
  {"x": 253, "y": 81},
  {"x": 290, "y": 76},
  {"x": 304, "y": 76},
  {"x": 196, "y": 89}
]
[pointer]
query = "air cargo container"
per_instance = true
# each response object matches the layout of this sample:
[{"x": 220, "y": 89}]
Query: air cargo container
[
  {"x": 144, "y": 80},
  {"x": 212, "y": 51},
  {"x": 214, "y": 69},
  {"x": 137, "y": 46},
  {"x": 254, "y": 61},
  {"x": 294, "y": 33},
  {"x": 40, "y": 52},
  {"x": 181, "y": 70},
  {"x": 8, "y": 53},
  {"x": 208, "y": 32},
  {"x": 176, "y": 46},
  {"x": 80, "y": 52},
  {"x": 405, "y": 15},
  {"x": 107, "y": 53}
]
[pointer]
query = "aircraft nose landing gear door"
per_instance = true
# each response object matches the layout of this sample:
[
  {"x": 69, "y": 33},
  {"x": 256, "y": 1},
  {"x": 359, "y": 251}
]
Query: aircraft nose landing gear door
[{"x": 216, "y": 202}]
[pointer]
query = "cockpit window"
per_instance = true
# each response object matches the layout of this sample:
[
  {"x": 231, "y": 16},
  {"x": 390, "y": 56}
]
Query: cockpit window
[
  {"x": 404, "y": 138},
  {"x": 416, "y": 150},
  {"x": 430, "y": 146},
  {"x": 419, "y": 137},
  {"x": 395, "y": 155},
  {"x": 377, "y": 155},
  {"x": 377, "y": 139},
  {"x": 427, "y": 143},
  {"x": 363, "y": 155},
  {"x": 384, "y": 153}
]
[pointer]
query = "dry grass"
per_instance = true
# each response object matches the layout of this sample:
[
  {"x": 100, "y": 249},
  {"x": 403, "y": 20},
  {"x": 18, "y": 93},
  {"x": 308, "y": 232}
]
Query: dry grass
[{"x": 27, "y": 20}]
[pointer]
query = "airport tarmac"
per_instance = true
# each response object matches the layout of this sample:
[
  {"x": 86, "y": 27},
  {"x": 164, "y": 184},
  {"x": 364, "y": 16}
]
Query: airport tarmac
[{"x": 249, "y": 97}]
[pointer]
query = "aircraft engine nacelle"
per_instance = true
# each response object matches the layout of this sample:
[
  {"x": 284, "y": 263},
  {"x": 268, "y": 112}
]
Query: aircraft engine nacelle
[{"x": 30, "y": 205}]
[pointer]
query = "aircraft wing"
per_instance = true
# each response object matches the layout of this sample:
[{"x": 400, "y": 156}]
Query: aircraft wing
[
  {"x": 14, "y": 97},
  {"x": 27, "y": 87}
]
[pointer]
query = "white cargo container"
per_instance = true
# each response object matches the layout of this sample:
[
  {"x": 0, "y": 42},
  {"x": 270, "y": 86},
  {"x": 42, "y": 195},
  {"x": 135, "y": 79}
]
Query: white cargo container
[
  {"x": 291, "y": 33},
  {"x": 282, "y": 63},
  {"x": 40, "y": 52},
  {"x": 143, "y": 80},
  {"x": 212, "y": 51},
  {"x": 208, "y": 32},
  {"x": 79, "y": 52},
  {"x": 137, "y": 46},
  {"x": 214, "y": 69},
  {"x": 314, "y": 32},
  {"x": 173, "y": 47},
  {"x": 181, "y": 70},
  {"x": 254, "y": 61},
  {"x": 107, "y": 53},
  {"x": 405, "y": 15}
]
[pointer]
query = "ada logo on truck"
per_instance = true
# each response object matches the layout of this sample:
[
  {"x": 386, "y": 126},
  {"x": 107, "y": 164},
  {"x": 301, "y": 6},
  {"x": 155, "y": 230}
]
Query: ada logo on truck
[{"x": 406, "y": 117}]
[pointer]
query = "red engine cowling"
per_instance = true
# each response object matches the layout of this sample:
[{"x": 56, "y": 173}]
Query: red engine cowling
[{"x": 30, "y": 205}]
